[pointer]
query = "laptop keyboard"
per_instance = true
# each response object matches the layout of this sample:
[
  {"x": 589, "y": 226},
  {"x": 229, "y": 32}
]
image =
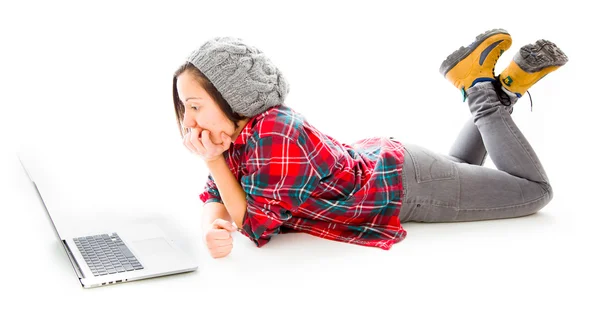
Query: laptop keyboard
[{"x": 106, "y": 254}]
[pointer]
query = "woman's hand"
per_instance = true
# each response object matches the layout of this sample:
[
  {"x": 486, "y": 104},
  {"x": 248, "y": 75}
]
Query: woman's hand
[
  {"x": 204, "y": 146},
  {"x": 218, "y": 238}
]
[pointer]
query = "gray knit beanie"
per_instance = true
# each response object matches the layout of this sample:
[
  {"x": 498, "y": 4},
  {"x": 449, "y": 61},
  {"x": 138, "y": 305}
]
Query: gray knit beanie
[{"x": 244, "y": 76}]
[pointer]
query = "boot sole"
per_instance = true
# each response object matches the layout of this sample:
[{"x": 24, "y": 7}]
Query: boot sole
[
  {"x": 536, "y": 57},
  {"x": 453, "y": 59}
]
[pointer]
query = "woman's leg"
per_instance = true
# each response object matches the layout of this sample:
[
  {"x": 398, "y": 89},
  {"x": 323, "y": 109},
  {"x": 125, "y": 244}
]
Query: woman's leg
[
  {"x": 440, "y": 190},
  {"x": 468, "y": 146},
  {"x": 520, "y": 186},
  {"x": 507, "y": 146}
]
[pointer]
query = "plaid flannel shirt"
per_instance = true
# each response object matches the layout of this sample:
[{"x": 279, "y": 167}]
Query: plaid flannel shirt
[{"x": 298, "y": 179}]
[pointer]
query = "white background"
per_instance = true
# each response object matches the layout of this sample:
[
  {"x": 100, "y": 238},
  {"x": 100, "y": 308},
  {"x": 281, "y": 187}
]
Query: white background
[{"x": 85, "y": 94}]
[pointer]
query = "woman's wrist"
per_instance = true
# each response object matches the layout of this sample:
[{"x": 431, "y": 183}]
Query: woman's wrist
[{"x": 215, "y": 160}]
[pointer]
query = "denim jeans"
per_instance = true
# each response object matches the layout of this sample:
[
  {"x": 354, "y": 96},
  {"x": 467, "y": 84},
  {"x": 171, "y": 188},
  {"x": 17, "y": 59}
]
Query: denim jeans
[{"x": 456, "y": 187}]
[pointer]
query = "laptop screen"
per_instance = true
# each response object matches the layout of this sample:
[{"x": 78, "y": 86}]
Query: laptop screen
[{"x": 41, "y": 200}]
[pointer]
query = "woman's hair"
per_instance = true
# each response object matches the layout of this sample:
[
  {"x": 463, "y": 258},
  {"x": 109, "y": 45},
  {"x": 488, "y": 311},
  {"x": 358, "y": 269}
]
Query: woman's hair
[{"x": 210, "y": 89}]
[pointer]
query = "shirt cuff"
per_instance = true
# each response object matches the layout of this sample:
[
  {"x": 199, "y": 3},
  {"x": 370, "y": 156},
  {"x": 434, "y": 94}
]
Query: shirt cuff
[{"x": 247, "y": 231}]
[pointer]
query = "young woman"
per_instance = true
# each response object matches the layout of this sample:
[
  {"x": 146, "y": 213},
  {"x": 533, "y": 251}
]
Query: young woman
[{"x": 271, "y": 171}]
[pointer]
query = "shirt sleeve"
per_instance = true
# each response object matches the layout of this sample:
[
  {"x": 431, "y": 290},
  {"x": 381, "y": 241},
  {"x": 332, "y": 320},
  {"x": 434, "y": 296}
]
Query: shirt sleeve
[
  {"x": 281, "y": 176},
  {"x": 210, "y": 193}
]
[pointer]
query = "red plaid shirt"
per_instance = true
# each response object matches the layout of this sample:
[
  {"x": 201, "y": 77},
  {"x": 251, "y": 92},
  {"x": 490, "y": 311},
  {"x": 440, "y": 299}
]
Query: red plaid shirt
[{"x": 298, "y": 179}]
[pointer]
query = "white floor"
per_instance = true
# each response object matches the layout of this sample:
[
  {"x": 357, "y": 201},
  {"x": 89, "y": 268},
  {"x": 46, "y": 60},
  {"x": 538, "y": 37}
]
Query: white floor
[{"x": 85, "y": 95}]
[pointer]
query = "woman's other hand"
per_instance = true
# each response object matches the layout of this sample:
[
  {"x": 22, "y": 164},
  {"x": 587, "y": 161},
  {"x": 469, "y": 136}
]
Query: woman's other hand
[{"x": 218, "y": 238}]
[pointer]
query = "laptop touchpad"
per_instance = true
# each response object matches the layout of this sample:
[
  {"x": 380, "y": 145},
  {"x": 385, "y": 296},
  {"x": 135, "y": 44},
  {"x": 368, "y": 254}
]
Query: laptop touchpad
[{"x": 154, "y": 246}]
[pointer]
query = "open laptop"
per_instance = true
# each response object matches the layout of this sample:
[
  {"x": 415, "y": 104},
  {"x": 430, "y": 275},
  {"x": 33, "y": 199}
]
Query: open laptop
[{"x": 140, "y": 252}]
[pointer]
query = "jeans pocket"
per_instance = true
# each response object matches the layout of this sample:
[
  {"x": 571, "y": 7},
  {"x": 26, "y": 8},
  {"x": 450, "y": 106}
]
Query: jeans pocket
[{"x": 430, "y": 166}]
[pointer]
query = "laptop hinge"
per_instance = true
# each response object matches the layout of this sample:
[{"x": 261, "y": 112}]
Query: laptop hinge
[{"x": 72, "y": 259}]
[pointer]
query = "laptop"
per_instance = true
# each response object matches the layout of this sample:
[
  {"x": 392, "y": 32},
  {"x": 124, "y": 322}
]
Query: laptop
[{"x": 133, "y": 253}]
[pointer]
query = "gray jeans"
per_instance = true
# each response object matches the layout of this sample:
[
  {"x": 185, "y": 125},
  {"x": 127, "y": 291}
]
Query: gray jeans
[{"x": 456, "y": 187}]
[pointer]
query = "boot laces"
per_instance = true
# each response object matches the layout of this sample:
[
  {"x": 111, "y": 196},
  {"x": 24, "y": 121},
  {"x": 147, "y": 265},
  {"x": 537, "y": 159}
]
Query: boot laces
[{"x": 503, "y": 97}]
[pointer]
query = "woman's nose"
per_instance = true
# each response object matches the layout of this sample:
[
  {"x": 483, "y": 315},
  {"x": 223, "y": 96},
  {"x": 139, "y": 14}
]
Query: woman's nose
[{"x": 188, "y": 121}]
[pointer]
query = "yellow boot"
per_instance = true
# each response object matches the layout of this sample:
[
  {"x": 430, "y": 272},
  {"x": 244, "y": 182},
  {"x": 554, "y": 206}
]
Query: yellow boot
[
  {"x": 530, "y": 64},
  {"x": 476, "y": 62}
]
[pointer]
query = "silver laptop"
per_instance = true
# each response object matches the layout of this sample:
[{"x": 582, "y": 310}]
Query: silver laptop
[{"x": 139, "y": 252}]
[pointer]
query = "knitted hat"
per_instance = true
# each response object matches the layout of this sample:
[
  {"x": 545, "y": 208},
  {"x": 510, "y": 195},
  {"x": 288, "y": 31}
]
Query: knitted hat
[{"x": 244, "y": 76}]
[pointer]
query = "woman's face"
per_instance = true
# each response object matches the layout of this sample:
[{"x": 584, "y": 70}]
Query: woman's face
[{"x": 202, "y": 112}]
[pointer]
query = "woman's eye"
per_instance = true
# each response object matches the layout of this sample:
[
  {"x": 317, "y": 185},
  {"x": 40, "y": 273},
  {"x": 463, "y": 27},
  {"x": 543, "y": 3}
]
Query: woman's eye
[{"x": 194, "y": 107}]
